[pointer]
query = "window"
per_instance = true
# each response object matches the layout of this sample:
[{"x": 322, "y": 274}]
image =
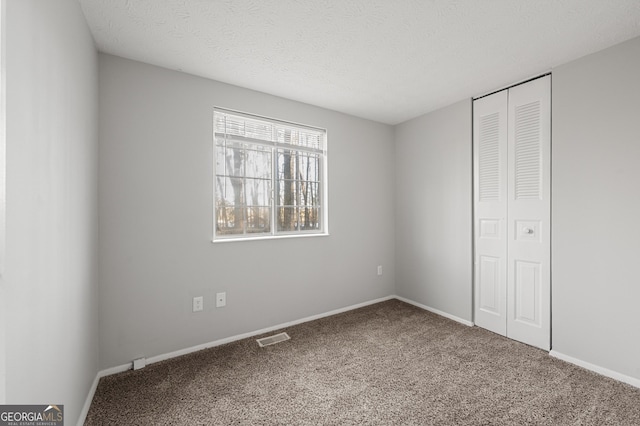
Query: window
[{"x": 270, "y": 177}]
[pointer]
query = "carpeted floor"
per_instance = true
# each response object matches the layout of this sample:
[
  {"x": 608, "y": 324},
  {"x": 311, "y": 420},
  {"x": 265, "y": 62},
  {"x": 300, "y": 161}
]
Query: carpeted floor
[{"x": 385, "y": 364}]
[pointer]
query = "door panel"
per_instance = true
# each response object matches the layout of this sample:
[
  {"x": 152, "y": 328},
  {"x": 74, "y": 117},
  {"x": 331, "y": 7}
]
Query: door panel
[
  {"x": 529, "y": 213},
  {"x": 527, "y": 293},
  {"x": 489, "y": 286},
  {"x": 490, "y": 210}
]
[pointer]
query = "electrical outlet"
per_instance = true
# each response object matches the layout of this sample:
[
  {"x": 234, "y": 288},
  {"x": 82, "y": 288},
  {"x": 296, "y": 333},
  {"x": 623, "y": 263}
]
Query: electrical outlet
[
  {"x": 198, "y": 303},
  {"x": 379, "y": 269},
  {"x": 221, "y": 299}
]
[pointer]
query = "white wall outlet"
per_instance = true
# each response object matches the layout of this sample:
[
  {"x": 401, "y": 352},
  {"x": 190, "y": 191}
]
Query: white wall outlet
[
  {"x": 221, "y": 299},
  {"x": 198, "y": 303},
  {"x": 379, "y": 269}
]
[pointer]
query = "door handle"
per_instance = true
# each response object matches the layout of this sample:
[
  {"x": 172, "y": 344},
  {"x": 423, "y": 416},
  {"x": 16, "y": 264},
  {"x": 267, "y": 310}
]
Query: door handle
[{"x": 527, "y": 230}]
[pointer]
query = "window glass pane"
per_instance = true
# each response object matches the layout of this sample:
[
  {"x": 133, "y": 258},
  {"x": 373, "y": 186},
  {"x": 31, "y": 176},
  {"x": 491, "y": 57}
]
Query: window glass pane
[
  {"x": 230, "y": 160},
  {"x": 309, "y": 166},
  {"x": 258, "y": 220},
  {"x": 298, "y": 193},
  {"x": 309, "y": 194},
  {"x": 287, "y": 191},
  {"x": 258, "y": 192},
  {"x": 229, "y": 191},
  {"x": 221, "y": 166},
  {"x": 288, "y": 218},
  {"x": 298, "y": 165},
  {"x": 286, "y": 165},
  {"x": 258, "y": 162},
  {"x": 229, "y": 220},
  {"x": 310, "y": 219},
  {"x": 298, "y": 179},
  {"x": 234, "y": 221}
]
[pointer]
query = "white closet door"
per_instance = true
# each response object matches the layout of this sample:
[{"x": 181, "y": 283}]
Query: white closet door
[
  {"x": 528, "y": 229},
  {"x": 490, "y": 215}
]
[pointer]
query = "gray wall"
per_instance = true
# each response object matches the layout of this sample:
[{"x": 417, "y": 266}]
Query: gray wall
[
  {"x": 52, "y": 350},
  {"x": 155, "y": 201},
  {"x": 595, "y": 208},
  {"x": 434, "y": 214}
]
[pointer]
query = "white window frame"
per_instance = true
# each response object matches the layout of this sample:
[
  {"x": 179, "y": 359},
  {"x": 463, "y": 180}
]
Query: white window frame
[{"x": 274, "y": 146}]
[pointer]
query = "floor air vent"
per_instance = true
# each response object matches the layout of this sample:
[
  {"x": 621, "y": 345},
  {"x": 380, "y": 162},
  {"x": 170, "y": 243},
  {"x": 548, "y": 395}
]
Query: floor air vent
[{"x": 272, "y": 340}]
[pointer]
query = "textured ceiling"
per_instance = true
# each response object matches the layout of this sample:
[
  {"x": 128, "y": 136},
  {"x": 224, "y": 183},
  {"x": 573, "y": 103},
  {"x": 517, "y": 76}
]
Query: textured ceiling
[{"x": 386, "y": 60}]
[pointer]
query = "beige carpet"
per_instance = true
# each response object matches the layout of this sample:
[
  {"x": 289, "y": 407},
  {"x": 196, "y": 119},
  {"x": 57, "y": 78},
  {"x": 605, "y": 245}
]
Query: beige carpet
[{"x": 386, "y": 364}]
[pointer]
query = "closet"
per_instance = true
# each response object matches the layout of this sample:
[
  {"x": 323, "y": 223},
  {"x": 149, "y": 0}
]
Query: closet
[{"x": 512, "y": 215}]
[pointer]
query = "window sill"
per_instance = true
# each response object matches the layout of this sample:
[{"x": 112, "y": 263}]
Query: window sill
[{"x": 268, "y": 237}]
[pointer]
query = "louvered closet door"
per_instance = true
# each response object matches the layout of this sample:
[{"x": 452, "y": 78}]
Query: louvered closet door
[
  {"x": 529, "y": 243},
  {"x": 490, "y": 211}
]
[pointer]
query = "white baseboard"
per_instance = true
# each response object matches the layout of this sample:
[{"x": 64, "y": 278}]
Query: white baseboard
[
  {"x": 436, "y": 311},
  {"x": 87, "y": 402},
  {"x": 597, "y": 369},
  {"x": 94, "y": 387}
]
